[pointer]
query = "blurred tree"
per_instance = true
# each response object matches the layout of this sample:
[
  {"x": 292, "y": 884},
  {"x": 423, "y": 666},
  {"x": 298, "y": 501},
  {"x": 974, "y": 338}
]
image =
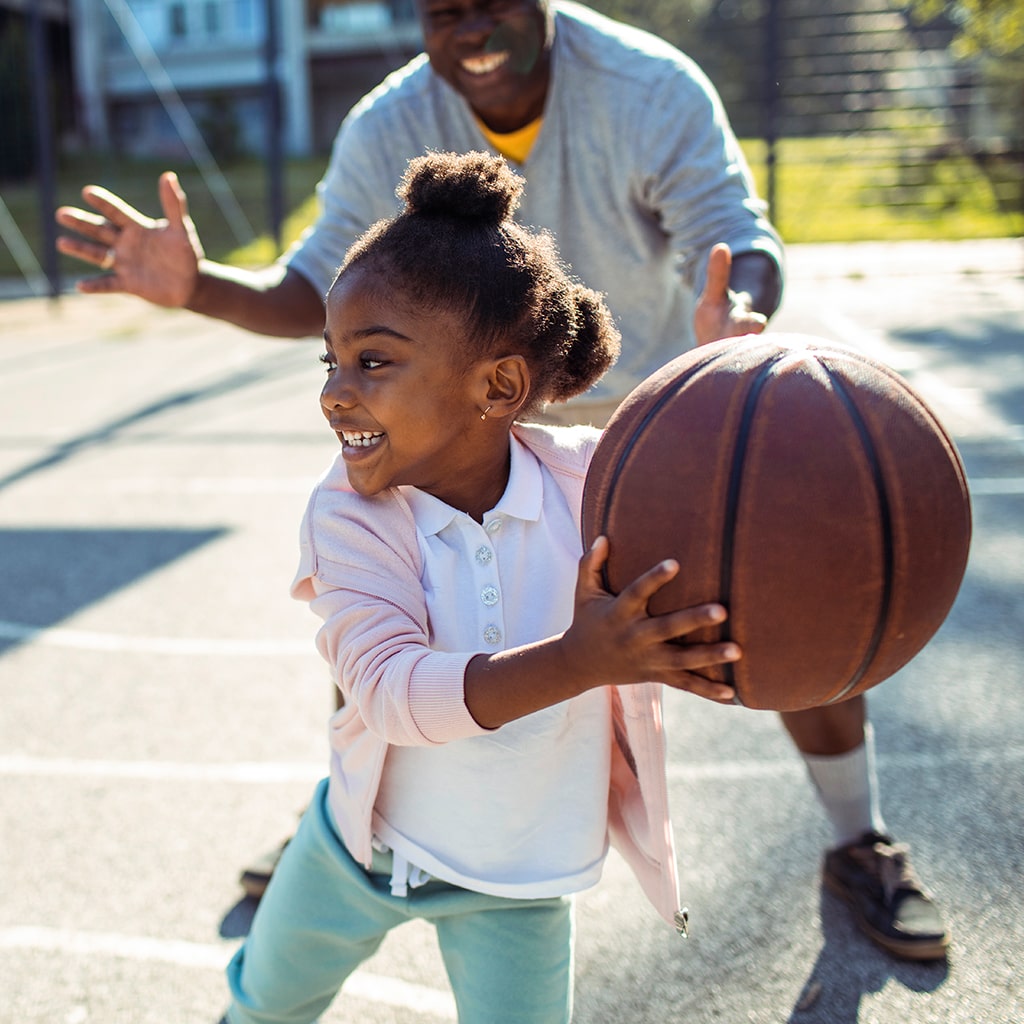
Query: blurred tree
[
  {"x": 990, "y": 38},
  {"x": 678, "y": 21},
  {"x": 993, "y": 28}
]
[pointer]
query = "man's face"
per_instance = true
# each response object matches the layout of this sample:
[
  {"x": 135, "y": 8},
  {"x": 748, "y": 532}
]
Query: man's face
[{"x": 495, "y": 53}]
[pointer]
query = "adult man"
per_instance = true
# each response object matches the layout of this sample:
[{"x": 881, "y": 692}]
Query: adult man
[{"x": 630, "y": 161}]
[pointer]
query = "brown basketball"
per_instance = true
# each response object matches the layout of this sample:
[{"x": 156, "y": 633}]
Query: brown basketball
[{"x": 807, "y": 488}]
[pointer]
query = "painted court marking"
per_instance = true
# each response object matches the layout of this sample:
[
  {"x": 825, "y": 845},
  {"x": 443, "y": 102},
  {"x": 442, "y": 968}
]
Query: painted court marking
[
  {"x": 263, "y": 772},
  {"x": 212, "y": 956},
  {"x": 88, "y": 640}
]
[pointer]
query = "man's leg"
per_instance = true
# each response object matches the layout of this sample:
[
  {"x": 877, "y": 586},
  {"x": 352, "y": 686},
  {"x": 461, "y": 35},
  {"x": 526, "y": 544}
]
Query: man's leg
[{"x": 866, "y": 868}]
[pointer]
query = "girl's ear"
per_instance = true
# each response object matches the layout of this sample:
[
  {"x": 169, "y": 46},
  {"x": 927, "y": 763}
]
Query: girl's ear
[{"x": 508, "y": 385}]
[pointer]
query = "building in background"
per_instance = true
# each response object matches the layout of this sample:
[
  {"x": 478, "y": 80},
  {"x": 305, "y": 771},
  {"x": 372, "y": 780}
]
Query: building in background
[{"x": 137, "y": 61}]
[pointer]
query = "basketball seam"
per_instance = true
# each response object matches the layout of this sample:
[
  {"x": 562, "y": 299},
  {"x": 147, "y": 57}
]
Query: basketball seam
[
  {"x": 636, "y": 432},
  {"x": 885, "y": 518},
  {"x": 732, "y": 502}
]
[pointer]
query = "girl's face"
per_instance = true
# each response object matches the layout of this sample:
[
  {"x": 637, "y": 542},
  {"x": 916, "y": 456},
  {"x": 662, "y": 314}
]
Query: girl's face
[{"x": 402, "y": 400}]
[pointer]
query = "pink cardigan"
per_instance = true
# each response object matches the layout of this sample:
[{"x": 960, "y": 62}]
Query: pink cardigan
[{"x": 360, "y": 572}]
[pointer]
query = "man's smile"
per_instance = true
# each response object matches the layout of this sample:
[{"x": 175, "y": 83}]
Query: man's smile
[{"x": 485, "y": 63}]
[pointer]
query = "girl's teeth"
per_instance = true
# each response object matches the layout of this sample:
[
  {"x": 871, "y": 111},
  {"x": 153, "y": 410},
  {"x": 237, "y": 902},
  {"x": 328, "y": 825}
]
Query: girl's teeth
[{"x": 362, "y": 438}]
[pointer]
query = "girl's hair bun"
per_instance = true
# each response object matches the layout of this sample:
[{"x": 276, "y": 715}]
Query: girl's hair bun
[{"x": 467, "y": 186}]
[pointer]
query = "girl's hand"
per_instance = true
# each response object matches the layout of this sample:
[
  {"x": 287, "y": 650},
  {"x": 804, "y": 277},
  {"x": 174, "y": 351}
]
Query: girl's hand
[{"x": 613, "y": 639}]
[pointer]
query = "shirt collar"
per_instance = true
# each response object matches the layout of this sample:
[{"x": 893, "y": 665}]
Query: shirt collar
[{"x": 522, "y": 499}]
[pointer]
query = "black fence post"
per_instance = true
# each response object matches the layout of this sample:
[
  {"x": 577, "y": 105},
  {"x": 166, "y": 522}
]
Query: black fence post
[
  {"x": 275, "y": 144},
  {"x": 772, "y": 93},
  {"x": 45, "y": 158}
]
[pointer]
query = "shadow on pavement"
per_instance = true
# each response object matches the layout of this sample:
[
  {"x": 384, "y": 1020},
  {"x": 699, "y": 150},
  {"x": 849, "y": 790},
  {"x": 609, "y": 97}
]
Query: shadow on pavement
[
  {"x": 49, "y": 574},
  {"x": 238, "y": 920},
  {"x": 848, "y": 968}
]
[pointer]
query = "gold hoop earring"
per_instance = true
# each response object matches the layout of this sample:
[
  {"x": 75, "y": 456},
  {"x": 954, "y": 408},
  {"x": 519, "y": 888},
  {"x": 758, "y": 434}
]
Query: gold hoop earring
[{"x": 483, "y": 415}]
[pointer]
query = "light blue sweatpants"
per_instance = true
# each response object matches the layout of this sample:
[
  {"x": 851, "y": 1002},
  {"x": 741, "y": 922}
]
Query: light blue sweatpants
[{"x": 509, "y": 961}]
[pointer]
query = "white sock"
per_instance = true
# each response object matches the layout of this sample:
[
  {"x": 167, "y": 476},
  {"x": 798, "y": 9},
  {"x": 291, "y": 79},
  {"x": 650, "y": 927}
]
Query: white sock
[{"x": 847, "y": 786}]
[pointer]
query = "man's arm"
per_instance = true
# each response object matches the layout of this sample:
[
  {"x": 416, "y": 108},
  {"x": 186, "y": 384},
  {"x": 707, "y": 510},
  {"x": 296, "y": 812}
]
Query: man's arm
[
  {"x": 162, "y": 261},
  {"x": 279, "y": 302}
]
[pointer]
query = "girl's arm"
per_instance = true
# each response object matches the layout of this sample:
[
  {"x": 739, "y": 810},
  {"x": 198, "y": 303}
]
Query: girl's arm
[{"x": 612, "y": 640}]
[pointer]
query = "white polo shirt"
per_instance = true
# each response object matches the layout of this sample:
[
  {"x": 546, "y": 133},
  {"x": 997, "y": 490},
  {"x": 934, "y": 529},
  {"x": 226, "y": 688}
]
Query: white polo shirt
[{"x": 522, "y": 811}]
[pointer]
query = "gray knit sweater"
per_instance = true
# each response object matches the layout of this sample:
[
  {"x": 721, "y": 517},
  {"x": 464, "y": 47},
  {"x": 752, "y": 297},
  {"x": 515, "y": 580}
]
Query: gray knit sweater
[{"x": 636, "y": 171}]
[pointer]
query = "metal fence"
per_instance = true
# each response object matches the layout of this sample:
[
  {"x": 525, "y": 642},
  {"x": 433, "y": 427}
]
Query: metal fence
[{"x": 852, "y": 102}]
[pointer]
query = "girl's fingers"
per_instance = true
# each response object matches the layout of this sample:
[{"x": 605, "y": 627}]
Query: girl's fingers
[
  {"x": 707, "y": 688},
  {"x": 644, "y": 587},
  {"x": 673, "y": 625},
  {"x": 592, "y": 561}
]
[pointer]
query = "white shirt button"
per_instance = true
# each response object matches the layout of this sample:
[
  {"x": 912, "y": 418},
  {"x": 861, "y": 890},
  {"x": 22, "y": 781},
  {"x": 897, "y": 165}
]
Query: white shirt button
[
  {"x": 494, "y": 525},
  {"x": 489, "y": 596},
  {"x": 483, "y": 554},
  {"x": 492, "y": 635}
]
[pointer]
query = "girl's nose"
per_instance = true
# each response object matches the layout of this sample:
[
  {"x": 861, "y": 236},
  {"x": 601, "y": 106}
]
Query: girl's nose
[{"x": 337, "y": 393}]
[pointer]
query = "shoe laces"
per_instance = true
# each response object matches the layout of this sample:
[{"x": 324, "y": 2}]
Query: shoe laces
[{"x": 890, "y": 863}]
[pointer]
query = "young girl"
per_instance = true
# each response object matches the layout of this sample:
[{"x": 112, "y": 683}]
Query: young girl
[{"x": 500, "y": 725}]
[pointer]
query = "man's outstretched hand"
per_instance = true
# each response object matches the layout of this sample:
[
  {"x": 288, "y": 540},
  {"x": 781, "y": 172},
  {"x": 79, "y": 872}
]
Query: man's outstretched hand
[
  {"x": 722, "y": 312},
  {"x": 157, "y": 260}
]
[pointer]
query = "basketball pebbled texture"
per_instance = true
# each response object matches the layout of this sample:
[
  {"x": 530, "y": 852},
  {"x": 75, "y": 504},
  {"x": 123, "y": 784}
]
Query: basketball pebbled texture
[{"x": 804, "y": 486}]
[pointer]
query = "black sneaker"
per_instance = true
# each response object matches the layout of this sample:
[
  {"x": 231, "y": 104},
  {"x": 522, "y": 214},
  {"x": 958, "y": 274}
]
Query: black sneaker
[
  {"x": 256, "y": 877},
  {"x": 873, "y": 876}
]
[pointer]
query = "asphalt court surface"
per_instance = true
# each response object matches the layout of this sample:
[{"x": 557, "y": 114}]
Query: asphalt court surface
[{"x": 163, "y": 708}]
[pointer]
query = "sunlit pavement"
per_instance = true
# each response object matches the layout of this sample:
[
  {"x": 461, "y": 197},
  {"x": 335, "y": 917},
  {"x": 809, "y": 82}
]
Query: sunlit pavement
[{"x": 163, "y": 709}]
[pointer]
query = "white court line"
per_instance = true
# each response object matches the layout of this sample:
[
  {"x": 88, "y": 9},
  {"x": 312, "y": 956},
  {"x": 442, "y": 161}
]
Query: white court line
[
  {"x": 263, "y": 772},
  {"x": 996, "y": 485},
  {"x": 243, "y": 772},
  {"x": 904, "y": 763},
  {"x": 210, "y": 956},
  {"x": 88, "y": 640},
  {"x": 212, "y": 485}
]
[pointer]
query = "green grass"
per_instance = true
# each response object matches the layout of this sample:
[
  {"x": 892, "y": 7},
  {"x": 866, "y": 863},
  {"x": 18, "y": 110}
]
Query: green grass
[
  {"x": 856, "y": 189},
  {"x": 826, "y": 190}
]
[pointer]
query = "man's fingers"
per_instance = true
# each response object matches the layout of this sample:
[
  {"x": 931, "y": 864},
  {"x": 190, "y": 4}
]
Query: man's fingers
[
  {"x": 102, "y": 285},
  {"x": 173, "y": 199},
  {"x": 719, "y": 267},
  {"x": 88, "y": 252},
  {"x": 117, "y": 212}
]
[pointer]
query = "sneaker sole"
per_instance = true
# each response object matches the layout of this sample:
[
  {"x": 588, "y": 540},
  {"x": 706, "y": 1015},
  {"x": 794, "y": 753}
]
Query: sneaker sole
[
  {"x": 254, "y": 886},
  {"x": 907, "y": 950}
]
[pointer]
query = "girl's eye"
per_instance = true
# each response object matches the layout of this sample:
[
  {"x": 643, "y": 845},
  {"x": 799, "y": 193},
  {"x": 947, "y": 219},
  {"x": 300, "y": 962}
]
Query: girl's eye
[
  {"x": 369, "y": 363},
  {"x": 328, "y": 360}
]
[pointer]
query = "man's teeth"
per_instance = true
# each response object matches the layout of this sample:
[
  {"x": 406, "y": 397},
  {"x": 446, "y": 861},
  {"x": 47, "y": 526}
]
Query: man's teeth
[
  {"x": 361, "y": 438},
  {"x": 484, "y": 65}
]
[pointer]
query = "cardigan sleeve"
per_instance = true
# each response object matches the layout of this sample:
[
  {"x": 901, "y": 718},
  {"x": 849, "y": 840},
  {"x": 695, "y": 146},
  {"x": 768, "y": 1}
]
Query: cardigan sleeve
[{"x": 360, "y": 572}]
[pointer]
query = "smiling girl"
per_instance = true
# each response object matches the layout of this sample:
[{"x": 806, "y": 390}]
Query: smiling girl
[{"x": 502, "y": 721}]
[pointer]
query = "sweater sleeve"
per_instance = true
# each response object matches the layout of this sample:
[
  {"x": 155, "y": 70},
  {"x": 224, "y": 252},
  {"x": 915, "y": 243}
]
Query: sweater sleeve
[
  {"x": 695, "y": 175},
  {"x": 360, "y": 572}
]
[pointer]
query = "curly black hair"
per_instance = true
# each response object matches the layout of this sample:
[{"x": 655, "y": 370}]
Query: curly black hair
[{"x": 455, "y": 248}]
